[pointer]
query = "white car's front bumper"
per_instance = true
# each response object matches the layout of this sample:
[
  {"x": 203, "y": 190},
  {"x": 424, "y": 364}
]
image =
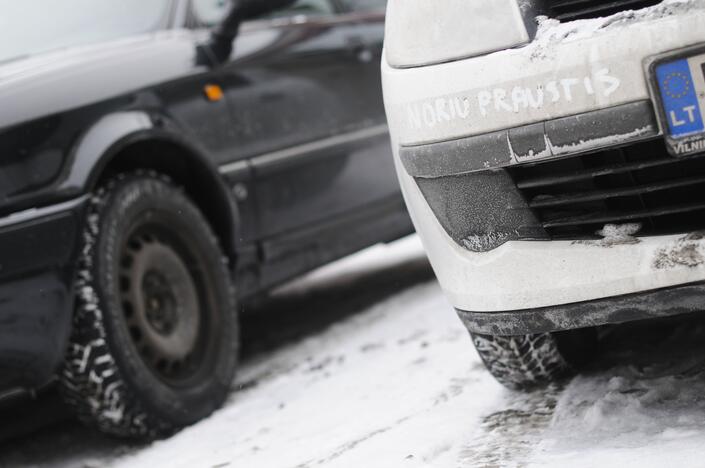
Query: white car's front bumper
[
  {"x": 595, "y": 64},
  {"x": 531, "y": 274}
]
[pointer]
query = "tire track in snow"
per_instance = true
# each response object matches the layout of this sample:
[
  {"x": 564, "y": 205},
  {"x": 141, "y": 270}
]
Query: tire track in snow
[
  {"x": 508, "y": 436},
  {"x": 646, "y": 382}
]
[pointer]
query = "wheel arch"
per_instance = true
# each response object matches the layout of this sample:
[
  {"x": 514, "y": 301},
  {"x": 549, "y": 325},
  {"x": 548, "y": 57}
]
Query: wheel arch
[{"x": 130, "y": 141}]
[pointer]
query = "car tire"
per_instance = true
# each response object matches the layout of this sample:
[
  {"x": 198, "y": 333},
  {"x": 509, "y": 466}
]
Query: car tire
[
  {"x": 526, "y": 362},
  {"x": 155, "y": 335}
]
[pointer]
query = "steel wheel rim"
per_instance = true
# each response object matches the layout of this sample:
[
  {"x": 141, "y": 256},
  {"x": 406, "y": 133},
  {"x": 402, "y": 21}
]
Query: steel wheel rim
[{"x": 163, "y": 305}]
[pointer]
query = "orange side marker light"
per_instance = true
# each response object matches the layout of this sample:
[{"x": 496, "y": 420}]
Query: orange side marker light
[{"x": 214, "y": 92}]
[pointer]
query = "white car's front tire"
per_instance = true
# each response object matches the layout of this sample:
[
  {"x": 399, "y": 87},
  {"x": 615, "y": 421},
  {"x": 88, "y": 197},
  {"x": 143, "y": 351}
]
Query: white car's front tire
[{"x": 524, "y": 362}]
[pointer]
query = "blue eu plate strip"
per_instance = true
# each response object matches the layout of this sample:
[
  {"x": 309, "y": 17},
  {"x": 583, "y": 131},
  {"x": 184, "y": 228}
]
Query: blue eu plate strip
[{"x": 679, "y": 97}]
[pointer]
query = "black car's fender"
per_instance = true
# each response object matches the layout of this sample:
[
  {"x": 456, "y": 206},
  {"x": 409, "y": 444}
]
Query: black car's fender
[{"x": 39, "y": 247}]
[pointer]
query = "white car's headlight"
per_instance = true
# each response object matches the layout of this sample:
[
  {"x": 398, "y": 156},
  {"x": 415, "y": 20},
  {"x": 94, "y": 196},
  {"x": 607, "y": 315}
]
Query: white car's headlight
[{"x": 424, "y": 32}]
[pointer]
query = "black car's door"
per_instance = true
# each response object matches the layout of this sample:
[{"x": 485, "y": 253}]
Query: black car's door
[{"x": 305, "y": 93}]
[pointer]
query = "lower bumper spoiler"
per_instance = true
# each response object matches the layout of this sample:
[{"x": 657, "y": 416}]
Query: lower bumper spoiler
[{"x": 651, "y": 304}]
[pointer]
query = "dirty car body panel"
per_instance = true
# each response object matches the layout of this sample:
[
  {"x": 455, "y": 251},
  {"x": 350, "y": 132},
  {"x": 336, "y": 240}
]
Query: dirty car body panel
[
  {"x": 539, "y": 168},
  {"x": 290, "y": 165}
]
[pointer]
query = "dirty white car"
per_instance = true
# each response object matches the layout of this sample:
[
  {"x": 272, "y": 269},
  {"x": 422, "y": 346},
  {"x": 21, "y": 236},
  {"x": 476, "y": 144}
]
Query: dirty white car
[{"x": 552, "y": 156}]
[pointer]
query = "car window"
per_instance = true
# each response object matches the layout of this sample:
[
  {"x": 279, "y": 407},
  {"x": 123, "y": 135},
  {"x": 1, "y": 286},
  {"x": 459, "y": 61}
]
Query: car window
[
  {"x": 207, "y": 13},
  {"x": 306, "y": 7},
  {"x": 34, "y": 26},
  {"x": 366, "y": 5}
]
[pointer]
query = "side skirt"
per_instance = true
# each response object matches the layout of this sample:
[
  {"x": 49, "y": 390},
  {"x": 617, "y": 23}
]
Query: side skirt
[{"x": 299, "y": 252}]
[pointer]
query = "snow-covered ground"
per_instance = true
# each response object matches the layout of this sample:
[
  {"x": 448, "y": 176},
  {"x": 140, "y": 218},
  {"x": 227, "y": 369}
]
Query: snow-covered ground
[{"x": 364, "y": 364}]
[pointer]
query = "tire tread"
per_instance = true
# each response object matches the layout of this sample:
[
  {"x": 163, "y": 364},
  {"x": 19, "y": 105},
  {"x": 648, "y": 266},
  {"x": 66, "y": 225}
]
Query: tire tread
[{"x": 522, "y": 362}]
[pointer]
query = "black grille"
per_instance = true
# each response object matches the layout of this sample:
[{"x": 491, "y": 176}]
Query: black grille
[
  {"x": 575, "y": 197},
  {"x": 581, "y": 9}
]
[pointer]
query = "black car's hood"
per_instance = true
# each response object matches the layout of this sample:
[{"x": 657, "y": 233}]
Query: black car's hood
[{"x": 53, "y": 82}]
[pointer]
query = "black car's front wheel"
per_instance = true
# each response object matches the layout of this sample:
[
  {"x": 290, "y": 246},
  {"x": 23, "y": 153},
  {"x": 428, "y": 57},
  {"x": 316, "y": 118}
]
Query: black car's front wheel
[{"x": 154, "y": 343}]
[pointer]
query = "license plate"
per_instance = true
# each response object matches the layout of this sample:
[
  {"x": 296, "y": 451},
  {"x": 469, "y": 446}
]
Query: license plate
[{"x": 680, "y": 84}]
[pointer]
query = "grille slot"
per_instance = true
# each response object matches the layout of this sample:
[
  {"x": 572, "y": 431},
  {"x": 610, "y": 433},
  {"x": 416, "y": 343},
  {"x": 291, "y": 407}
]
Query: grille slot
[
  {"x": 574, "y": 197},
  {"x": 580, "y": 9}
]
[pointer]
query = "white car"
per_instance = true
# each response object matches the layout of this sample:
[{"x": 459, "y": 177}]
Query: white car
[{"x": 552, "y": 156}]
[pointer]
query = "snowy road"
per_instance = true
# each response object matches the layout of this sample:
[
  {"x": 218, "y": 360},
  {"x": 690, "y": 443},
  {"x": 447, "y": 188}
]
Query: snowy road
[{"x": 364, "y": 364}]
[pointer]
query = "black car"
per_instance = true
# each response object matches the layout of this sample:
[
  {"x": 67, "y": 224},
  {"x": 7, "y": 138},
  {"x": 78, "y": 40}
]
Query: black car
[{"x": 158, "y": 168}]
